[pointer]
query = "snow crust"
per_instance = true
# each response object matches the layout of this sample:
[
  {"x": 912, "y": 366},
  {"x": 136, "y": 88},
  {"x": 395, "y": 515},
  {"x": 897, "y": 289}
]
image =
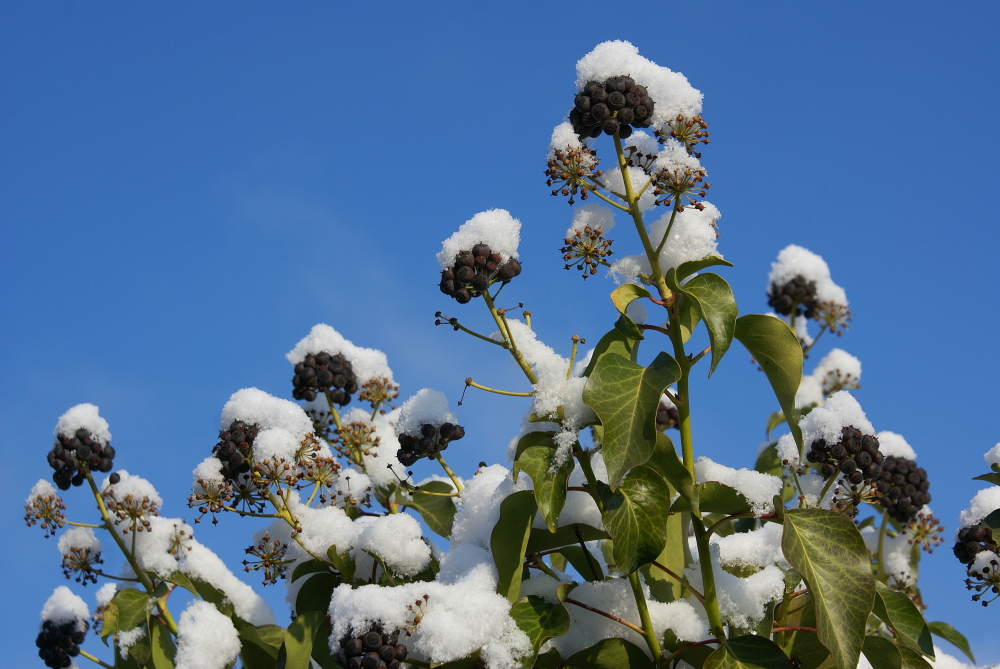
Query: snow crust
[
  {"x": 79, "y": 537},
  {"x": 495, "y": 227},
  {"x": 837, "y": 368},
  {"x": 758, "y": 488},
  {"x": 283, "y": 424},
  {"x": 396, "y": 539},
  {"x": 591, "y": 215},
  {"x": 761, "y": 547},
  {"x": 983, "y": 504},
  {"x": 982, "y": 562},
  {"x": 42, "y": 488},
  {"x": 105, "y": 594},
  {"x": 206, "y": 639},
  {"x": 992, "y": 456},
  {"x": 826, "y": 422},
  {"x": 65, "y": 607},
  {"x": 564, "y": 137},
  {"x": 481, "y": 498},
  {"x": 890, "y": 443},
  {"x": 86, "y": 416},
  {"x": 692, "y": 237},
  {"x": 795, "y": 261},
  {"x": 367, "y": 363},
  {"x": 741, "y": 600},
  {"x": 427, "y": 406}
]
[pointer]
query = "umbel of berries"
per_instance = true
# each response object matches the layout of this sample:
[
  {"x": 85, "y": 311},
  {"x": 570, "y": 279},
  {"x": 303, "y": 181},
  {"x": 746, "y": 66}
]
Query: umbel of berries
[
  {"x": 324, "y": 372},
  {"x": 233, "y": 449},
  {"x": 72, "y": 455},
  {"x": 615, "y": 106},
  {"x": 973, "y": 540},
  {"x": 59, "y": 644},
  {"x": 856, "y": 456},
  {"x": 904, "y": 488},
  {"x": 432, "y": 440},
  {"x": 475, "y": 271},
  {"x": 798, "y": 295},
  {"x": 371, "y": 650}
]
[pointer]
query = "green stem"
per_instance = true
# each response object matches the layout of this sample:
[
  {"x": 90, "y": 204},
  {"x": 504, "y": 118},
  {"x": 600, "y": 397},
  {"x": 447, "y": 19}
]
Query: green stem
[
  {"x": 826, "y": 489},
  {"x": 572, "y": 357},
  {"x": 512, "y": 347},
  {"x": 633, "y": 209},
  {"x": 90, "y": 657},
  {"x": 114, "y": 578},
  {"x": 447, "y": 470},
  {"x": 680, "y": 579},
  {"x": 605, "y": 198},
  {"x": 583, "y": 457},
  {"x": 594, "y": 568},
  {"x": 95, "y": 527},
  {"x": 647, "y": 624},
  {"x": 544, "y": 568},
  {"x": 333, "y": 410},
  {"x": 455, "y": 324},
  {"x": 666, "y": 235},
  {"x": 470, "y": 382},
  {"x": 808, "y": 348},
  {"x": 881, "y": 546},
  {"x": 610, "y": 616},
  {"x": 293, "y": 522},
  {"x": 708, "y": 579},
  {"x": 679, "y": 651}
]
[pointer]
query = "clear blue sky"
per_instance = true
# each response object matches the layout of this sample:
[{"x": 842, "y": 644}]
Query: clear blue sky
[{"x": 186, "y": 188}]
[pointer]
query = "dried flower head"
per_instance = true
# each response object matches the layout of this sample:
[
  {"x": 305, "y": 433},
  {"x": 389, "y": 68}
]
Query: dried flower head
[
  {"x": 984, "y": 581},
  {"x": 355, "y": 440},
  {"x": 572, "y": 171},
  {"x": 81, "y": 560},
  {"x": 834, "y": 317},
  {"x": 586, "y": 249},
  {"x": 925, "y": 531},
  {"x": 46, "y": 508},
  {"x": 379, "y": 392},
  {"x": 673, "y": 185},
  {"x": 133, "y": 509},
  {"x": 270, "y": 555},
  {"x": 210, "y": 496},
  {"x": 688, "y": 131}
]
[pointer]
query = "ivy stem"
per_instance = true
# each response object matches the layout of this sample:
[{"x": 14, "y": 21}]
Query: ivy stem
[
  {"x": 657, "y": 328},
  {"x": 708, "y": 579},
  {"x": 647, "y": 622},
  {"x": 793, "y": 629},
  {"x": 95, "y": 527},
  {"x": 511, "y": 346},
  {"x": 90, "y": 657},
  {"x": 666, "y": 235},
  {"x": 542, "y": 567},
  {"x": 251, "y": 514},
  {"x": 458, "y": 326},
  {"x": 881, "y": 546},
  {"x": 334, "y": 412},
  {"x": 604, "y": 197},
  {"x": 470, "y": 382},
  {"x": 114, "y": 578},
  {"x": 607, "y": 615},
  {"x": 447, "y": 470},
  {"x": 572, "y": 357},
  {"x": 293, "y": 522},
  {"x": 680, "y": 579},
  {"x": 129, "y": 555},
  {"x": 808, "y": 348},
  {"x": 826, "y": 489}
]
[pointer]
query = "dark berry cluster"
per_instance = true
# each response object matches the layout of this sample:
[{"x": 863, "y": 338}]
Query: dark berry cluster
[
  {"x": 234, "y": 447},
  {"x": 71, "y": 456},
  {"x": 972, "y": 540},
  {"x": 856, "y": 456},
  {"x": 372, "y": 649},
  {"x": 666, "y": 416},
  {"x": 432, "y": 439},
  {"x": 325, "y": 373},
  {"x": 904, "y": 488},
  {"x": 616, "y": 106},
  {"x": 798, "y": 295},
  {"x": 475, "y": 271},
  {"x": 59, "y": 644}
]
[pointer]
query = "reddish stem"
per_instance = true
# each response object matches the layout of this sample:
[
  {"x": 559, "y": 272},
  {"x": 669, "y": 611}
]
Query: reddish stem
[
  {"x": 610, "y": 616},
  {"x": 793, "y": 629}
]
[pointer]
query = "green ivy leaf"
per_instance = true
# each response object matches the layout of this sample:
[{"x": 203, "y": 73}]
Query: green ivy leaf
[
  {"x": 827, "y": 549},
  {"x": 141, "y": 649},
  {"x": 777, "y": 350},
  {"x": 636, "y": 517},
  {"x": 748, "y": 652},
  {"x": 297, "y": 648},
  {"x": 882, "y": 653},
  {"x": 664, "y": 587},
  {"x": 686, "y": 269},
  {"x": 549, "y": 479},
  {"x": 801, "y": 645},
  {"x": 550, "y": 659},
  {"x": 898, "y": 612},
  {"x": 540, "y": 619},
  {"x": 664, "y": 461},
  {"x": 510, "y": 539},
  {"x": 992, "y": 477},
  {"x": 688, "y": 317},
  {"x": 625, "y": 294},
  {"x": 615, "y": 341},
  {"x": 315, "y": 593},
  {"x": 162, "y": 648},
  {"x": 321, "y": 653},
  {"x": 992, "y": 521},
  {"x": 438, "y": 512},
  {"x": 527, "y": 441},
  {"x": 543, "y": 540},
  {"x": 952, "y": 636},
  {"x": 774, "y": 420},
  {"x": 387, "y": 577},
  {"x": 715, "y": 497},
  {"x": 610, "y": 654},
  {"x": 260, "y": 644},
  {"x": 125, "y": 611},
  {"x": 912, "y": 658},
  {"x": 342, "y": 563},
  {"x": 589, "y": 569},
  {"x": 310, "y": 567},
  {"x": 625, "y": 397},
  {"x": 716, "y": 305}
]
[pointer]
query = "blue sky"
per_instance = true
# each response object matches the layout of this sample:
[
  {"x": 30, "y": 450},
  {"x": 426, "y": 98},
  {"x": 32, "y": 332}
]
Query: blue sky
[{"x": 185, "y": 189}]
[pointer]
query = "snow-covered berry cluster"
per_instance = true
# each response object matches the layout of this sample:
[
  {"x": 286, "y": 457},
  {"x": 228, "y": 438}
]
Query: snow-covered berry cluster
[
  {"x": 326, "y": 373},
  {"x": 234, "y": 448},
  {"x": 375, "y": 648},
  {"x": 973, "y": 540},
  {"x": 798, "y": 295},
  {"x": 904, "y": 488},
  {"x": 475, "y": 271},
  {"x": 856, "y": 456},
  {"x": 72, "y": 455},
  {"x": 667, "y": 415},
  {"x": 432, "y": 440},
  {"x": 616, "y": 106},
  {"x": 59, "y": 644}
]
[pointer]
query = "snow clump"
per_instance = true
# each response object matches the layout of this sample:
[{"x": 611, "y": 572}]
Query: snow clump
[
  {"x": 65, "y": 607},
  {"x": 797, "y": 261},
  {"x": 890, "y": 443},
  {"x": 826, "y": 422},
  {"x": 366, "y": 363},
  {"x": 496, "y": 228},
  {"x": 426, "y": 407},
  {"x": 983, "y": 504},
  {"x": 692, "y": 237},
  {"x": 759, "y": 489},
  {"x": 87, "y": 417},
  {"x": 206, "y": 639},
  {"x": 591, "y": 215}
]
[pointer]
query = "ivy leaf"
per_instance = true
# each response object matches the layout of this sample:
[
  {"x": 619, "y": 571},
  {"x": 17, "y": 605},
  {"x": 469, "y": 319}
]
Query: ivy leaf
[
  {"x": 437, "y": 511},
  {"x": 777, "y": 350},
  {"x": 716, "y": 305},
  {"x": 664, "y": 587},
  {"x": 688, "y": 316},
  {"x": 543, "y": 540},
  {"x": 162, "y": 648},
  {"x": 774, "y": 420},
  {"x": 992, "y": 477},
  {"x": 550, "y": 480},
  {"x": 715, "y": 497},
  {"x": 625, "y": 294},
  {"x": 625, "y": 397},
  {"x": 526, "y": 442},
  {"x": 952, "y": 636},
  {"x": 260, "y": 644},
  {"x": 898, "y": 612},
  {"x": 615, "y": 341},
  {"x": 309, "y": 567},
  {"x": 636, "y": 517},
  {"x": 510, "y": 539},
  {"x": 748, "y": 652},
  {"x": 125, "y": 611},
  {"x": 882, "y": 653},
  {"x": 828, "y": 551},
  {"x": 686, "y": 269},
  {"x": 550, "y": 659},
  {"x": 799, "y": 644},
  {"x": 315, "y": 593},
  {"x": 992, "y": 521},
  {"x": 321, "y": 653},
  {"x": 180, "y": 579},
  {"x": 666, "y": 463},
  {"x": 141, "y": 649},
  {"x": 912, "y": 659},
  {"x": 540, "y": 619},
  {"x": 342, "y": 563},
  {"x": 610, "y": 654},
  {"x": 297, "y": 649}
]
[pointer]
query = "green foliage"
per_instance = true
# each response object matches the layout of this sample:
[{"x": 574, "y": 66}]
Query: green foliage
[
  {"x": 510, "y": 539},
  {"x": 610, "y": 654},
  {"x": 540, "y": 619},
  {"x": 952, "y": 636},
  {"x": 437, "y": 511},
  {"x": 902, "y": 616},
  {"x": 636, "y": 517},
  {"x": 711, "y": 295},
  {"x": 748, "y": 652},
  {"x": 536, "y": 455}
]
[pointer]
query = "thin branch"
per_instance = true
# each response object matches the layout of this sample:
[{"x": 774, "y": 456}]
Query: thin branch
[
  {"x": 90, "y": 657},
  {"x": 655, "y": 327},
  {"x": 793, "y": 629},
  {"x": 683, "y": 581},
  {"x": 634, "y": 628},
  {"x": 470, "y": 382}
]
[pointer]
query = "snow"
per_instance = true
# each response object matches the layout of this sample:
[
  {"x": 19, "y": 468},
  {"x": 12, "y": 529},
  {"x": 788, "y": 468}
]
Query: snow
[
  {"x": 759, "y": 489},
  {"x": 251, "y": 405},
  {"x": 80, "y": 538},
  {"x": 992, "y": 457},
  {"x": 201, "y": 562},
  {"x": 541, "y": 585},
  {"x": 208, "y": 471},
  {"x": 810, "y": 392},
  {"x": 105, "y": 594},
  {"x": 838, "y": 367},
  {"x": 644, "y": 143},
  {"x": 982, "y": 562},
  {"x": 134, "y": 487},
  {"x": 564, "y": 137},
  {"x": 64, "y": 607},
  {"x": 396, "y": 538},
  {"x": 890, "y": 443},
  {"x": 741, "y": 600},
  {"x": 614, "y": 182},
  {"x": 692, "y": 237},
  {"x": 826, "y": 422},
  {"x": 670, "y": 91},
  {"x": 797, "y": 261},
  {"x": 481, "y": 498},
  {"x": 41, "y": 489},
  {"x": 761, "y": 547},
  {"x": 85, "y": 416},
  {"x": 591, "y": 215},
  {"x": 427, "y": 406},
  {"x": 495, "y": 227},
  {"x": 206, "y": 639},
  {"x": 983, "y": 504},
  {"x": 367, "y": 363}
]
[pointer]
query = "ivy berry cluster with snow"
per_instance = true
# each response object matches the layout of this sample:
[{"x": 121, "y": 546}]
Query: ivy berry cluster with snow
[{"x": 607, "y": 542}]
